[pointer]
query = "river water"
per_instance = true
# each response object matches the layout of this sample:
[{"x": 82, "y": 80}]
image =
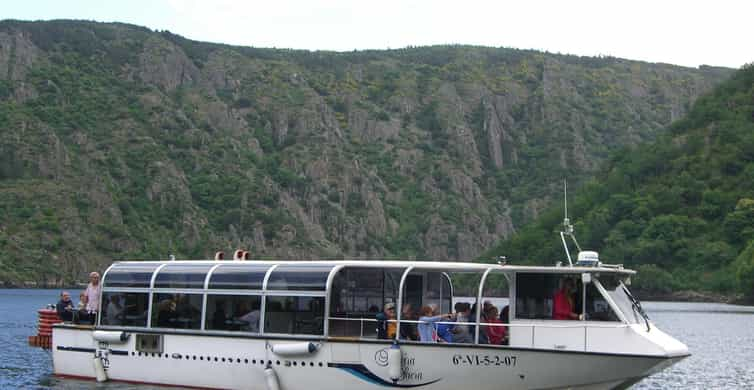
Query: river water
[{"x": 720, "y": 337}]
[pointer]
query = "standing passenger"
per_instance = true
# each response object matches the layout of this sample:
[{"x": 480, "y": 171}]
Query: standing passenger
[
  {"x": 563, "y": 302},
  {"x": 92, "y": 295}
]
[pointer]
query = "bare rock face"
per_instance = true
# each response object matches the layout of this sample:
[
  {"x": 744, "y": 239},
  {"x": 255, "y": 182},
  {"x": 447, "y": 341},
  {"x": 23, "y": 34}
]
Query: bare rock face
[
  {"x": 166, "y": 65},
  {"x": 17, "y": 55}
]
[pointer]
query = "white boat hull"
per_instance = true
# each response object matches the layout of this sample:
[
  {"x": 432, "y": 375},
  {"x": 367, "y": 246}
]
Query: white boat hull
[{"x": 222, "y": 362}]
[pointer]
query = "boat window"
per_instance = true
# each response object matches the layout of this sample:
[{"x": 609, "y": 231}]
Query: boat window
[
  {"x": 439, "y": 291},
  {"x": 238, "y": 277},
  {"x": 295, "y": 277},
  {"x": 180, "y": 311},
  {"x": 294, "y": 315},
  {"x": 124, "y": 309},
  {"x": 358, "y": 295},
  {"x": 182, "y": 276},
  {"x": 597, "y": 308},
  {"x": 129, "y": 275},
  {"x": 620, "y": 295},
  {"x": 233, "y": 313},
  {"x": 535, "y": 294}
]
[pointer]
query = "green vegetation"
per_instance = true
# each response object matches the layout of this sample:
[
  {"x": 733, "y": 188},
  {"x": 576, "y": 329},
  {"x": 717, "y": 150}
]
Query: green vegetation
[
  {"x": 123, "y": 143},
  {"x": 680, "y": 209}
]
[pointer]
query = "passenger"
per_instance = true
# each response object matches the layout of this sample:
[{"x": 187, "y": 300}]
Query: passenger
[
  {"x": 505, "y": 319},
  {"x": 563, "y": 302},
  {"x": 114, "y": 311},
  {"x": 408, "y": 329},
  {"x": 93, "y": 290},
  {"x": 444, "y": 331},
  {"x": 81, "y": 316},
  {"x": 65, "y": 307},
  {"x": 251, "y": 318},
  {"x": 166, "y": 314},
  {"x": 482, "y": 318},
  {"x": 385, "y": 328},
  {"x": 427, "y": 326},
  {"x": 462, "y": 332},
  {"x": 495, "y": 334},
  {"x": 219, "y": 317}
]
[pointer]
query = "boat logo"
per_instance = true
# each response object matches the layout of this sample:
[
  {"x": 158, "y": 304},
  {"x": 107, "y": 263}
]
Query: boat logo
[{"x": 380, "y": 357}]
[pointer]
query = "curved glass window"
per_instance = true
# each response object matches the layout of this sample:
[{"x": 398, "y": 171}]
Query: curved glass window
[
  {"x": 124, "y": 309},
  {"x": 182, "y": 276},
  {"x": 180, "y": 311},
  {"x": 295, "y": 277},
  {"x": 238, "y": 277},
  {"x": 129, "y": 275}
]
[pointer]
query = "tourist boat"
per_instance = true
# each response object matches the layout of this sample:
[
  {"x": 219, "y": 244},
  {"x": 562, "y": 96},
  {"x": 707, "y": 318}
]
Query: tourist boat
[{"x": 295, "y": 325}]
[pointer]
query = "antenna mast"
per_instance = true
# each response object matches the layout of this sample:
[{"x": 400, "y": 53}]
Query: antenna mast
[{"x": 567, "y": 227}]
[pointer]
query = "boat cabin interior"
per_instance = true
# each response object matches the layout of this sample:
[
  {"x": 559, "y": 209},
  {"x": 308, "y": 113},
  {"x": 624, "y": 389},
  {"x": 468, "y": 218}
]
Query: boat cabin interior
[{"x": 352, "y": 299}]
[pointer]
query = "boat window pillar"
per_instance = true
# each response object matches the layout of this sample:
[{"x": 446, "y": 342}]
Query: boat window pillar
[
  {"x": 204, "y": 297},
  {"x": 263, "y": 304},
  {"x": 479, "y": 304},
  {"x": 328, "y": 298},
  {"x": 399, "y": 304},
  {"x": 151, "y": 294},
  {"x": 102, "y": 285}
]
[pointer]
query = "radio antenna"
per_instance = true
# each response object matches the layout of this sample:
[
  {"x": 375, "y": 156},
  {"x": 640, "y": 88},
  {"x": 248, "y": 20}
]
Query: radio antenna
[{"x": 567, "y": 227}]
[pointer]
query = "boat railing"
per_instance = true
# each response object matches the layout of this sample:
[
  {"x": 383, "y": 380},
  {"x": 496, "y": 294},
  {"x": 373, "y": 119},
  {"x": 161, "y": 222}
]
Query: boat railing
[{"x": 365, "y": 323}]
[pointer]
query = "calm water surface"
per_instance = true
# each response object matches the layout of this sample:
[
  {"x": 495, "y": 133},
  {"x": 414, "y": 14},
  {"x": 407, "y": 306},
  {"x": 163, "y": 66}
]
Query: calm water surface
[{"x": 721, "y": 339}]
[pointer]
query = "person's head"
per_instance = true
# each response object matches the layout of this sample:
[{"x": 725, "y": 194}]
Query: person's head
[
  {"x": 389, "y": 309},
  {"x": 426, "y": 311},
  {"x": 458, "y": 307},
  {"x": 83, "y": 297},
  {"x": 65, "y": 296},
  {"x": 486, "y": 305},
  {"x": 504, "y": 314},
  {"x": 407, "y": 311},
  {"x": 491, "y": 312},
  {"x": 466, "y": 308},
  {"x": 94, "y": 278},
  {"x": 568, "y": 285}
]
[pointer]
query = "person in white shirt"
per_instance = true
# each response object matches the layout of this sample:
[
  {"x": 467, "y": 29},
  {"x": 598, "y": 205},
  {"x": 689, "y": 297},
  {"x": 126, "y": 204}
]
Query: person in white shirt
[{"x": 92, "y": 294}]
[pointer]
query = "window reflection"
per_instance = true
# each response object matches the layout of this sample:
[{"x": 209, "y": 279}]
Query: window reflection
[
  {"x": 179, "y": 311},
  {"x": 124, "y": 309},
  {"x": 295, "y": 315},
  {"x": 233, "y": 313}
]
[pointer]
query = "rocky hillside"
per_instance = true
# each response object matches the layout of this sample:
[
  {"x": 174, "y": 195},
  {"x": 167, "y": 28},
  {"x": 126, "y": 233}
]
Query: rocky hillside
[
  {"x": 120, "y": 142},
  {"x": 680, "y": 209}
]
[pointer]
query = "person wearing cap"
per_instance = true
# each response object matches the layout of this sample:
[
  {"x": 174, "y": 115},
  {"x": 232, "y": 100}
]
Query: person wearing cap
[
  {"x": 93, "y": 290},
  {"x": 386, "y": 328}
]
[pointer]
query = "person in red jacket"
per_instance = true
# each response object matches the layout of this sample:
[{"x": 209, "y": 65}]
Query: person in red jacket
[{"x": 563, "y": 303}]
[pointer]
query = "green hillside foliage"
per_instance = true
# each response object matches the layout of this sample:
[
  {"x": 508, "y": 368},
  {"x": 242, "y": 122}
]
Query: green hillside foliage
[
  {"x": 680, "y": 210},
  {"x": 119, "y": 142}
]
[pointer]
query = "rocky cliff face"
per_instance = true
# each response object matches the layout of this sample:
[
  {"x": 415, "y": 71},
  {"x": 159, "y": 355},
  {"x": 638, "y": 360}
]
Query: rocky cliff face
[{"x": 119, "y": 142}]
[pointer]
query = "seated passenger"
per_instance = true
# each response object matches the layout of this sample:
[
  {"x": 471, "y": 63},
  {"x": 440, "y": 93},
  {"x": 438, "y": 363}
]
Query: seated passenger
[
  {"x": 219, "y": 317},
  {"x": 385, "y": 328},
  {"x": 462, "y": 332},
  {"x": 482, "y": 318},
  {"x": 65, "y": 307},
  {"x": 408, "y": 329},
  {"x": 444, "y": 331},
  {"x": 166, "y": 313},
  {"x": 495, "y": 334},
  {"x": 251, "y": 319},
  {"x": 427, "y": 326},
  {"x": 81, "y": 315},
  {"x": 115, "y": 312},
  {"x": 563, "y": 302},
  {"x": 504, "y": 319}
]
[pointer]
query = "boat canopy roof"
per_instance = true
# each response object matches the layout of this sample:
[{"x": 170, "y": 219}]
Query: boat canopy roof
[{"x": 292, "y": 275}]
